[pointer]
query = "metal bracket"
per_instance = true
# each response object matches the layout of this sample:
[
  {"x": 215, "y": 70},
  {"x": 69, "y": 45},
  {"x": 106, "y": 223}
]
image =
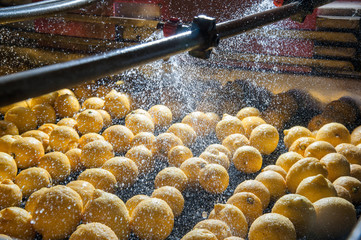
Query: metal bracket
[{"x": 206, "y": 27}]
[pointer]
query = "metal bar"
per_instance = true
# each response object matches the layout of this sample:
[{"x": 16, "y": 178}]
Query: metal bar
[
  {"x": 41, "y": 10},
  {"x": 28, "y": 5}
]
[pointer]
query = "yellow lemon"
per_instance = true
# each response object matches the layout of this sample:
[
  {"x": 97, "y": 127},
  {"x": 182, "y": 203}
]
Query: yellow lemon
[
  {"x": 93, "y": 231},
  {"x": 8, "y": 128},
  {"x": 214, "y": 178},
  {"x": 316, "y": 187},
  {"x": 100, "y": 178},
  {"x": 172, "y": 196},
  {"x": 16, "y": 223},
  {"x": 124, "y": 169},
  {"x": 265, "y": 138},
  {"x": 274, "y": 182},
  {"x": 334, "y": 133},
  {"x": 120, "y": 137},
  {"x": 22, "y": 117},
  {"x": 248, "y": 203},
  {"x": 295, "y": 133},
  {"x": 257, "y": 188},
  {"x": 219, "y": 228},
  {"x": 247, "y": 159},
  {"x": 32, "y": 179},
  {"x": 57, "y": 164},
  {"x": 96, "y": 153},
  {"x": 286, "y": 160},
  {"x": 171, "y": 176},
  {"x": 336, "y": 165}
]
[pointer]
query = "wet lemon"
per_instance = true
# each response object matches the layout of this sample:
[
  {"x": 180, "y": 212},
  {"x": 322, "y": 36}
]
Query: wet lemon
[
  {"x": 93, "y": 103},
  {"x": 83, "y": 188},
  {"x": 276, "y": 169},
  {"x": 40, "y": 135},
  {"x": 351, "y": 152},
  {"x": 235, "y": 141},
  {"x": 319, "y": 149},
  {"x": 295, "y": 133},
  {"x": 274, "y": 182},
  {"x": 74, "y": 156},
  {"x": 248, "y": 203},
  {"x": 138, "y": 111},
  {"x": 299, "y": 210},
  {"x": 336, "y": 165},
  {"x": 356, "y": 136},
  {"x": 214, "y": 178},
  {"x": 316, "y": 187},
  {"x": 250, "y": 123},
  {"x": 164, "y": 142},
  {"x": 257, "y": 188},
  {"x": 265, "y": 138},
  {"x": 248, "y": 112},
  {"x": 178, "y": 154},
  {"x": 83, "y": 91},
  {"x": 355, "y": 171},
  {"x": 47, "y": 128},
  {"x": 343, "y": 193},
  {"x": 57, "y": 212},
  {"x": 8, "y": 128},
  {"x": 247, "y": 159},
  {"x": 6, "y": 141},
  {"x": 63, "y": 139},
  {"x": 107, "y": 119},
  {"x": 93, "y": 231},
  {"x": 335, "y": 218},
  {"x": 69, "y": 122},
  {"x": 96, "y": 153},
  {"x": 215, "y": 156},
  {"x": 22, "y": 117},
  {"x": 219, "y": 228},
  {"x": 89, "y": 121},
  {"x": 57, "y": 164},
  {"x": 184, "y": 131},
  {"x": 110, "y": 210},
  {"x": 119, "y": 137},
  {"x": 124, "y": 169},
  {"x": 144, "y": 138},
  {"x": 142, "y": 157},
  {"x": 32, "y": 179},
  {"x": 48, "y": 98},
  {"x": 198, "y": 121},
  {"x": 26, "y": 151},
  {"x": 334, "y": 133},
  {"x": 44, "y": 113},
  {"x": 161, "y": 115},
  {"x": 173, "y": 177},
  {"x": 8, "y": 168},
  {"x": 274, "y": 226},
  {"x": 192, "y": 168},
  {"x": 139, "y": 123},
  {"x": 352, "y": 185},
  {"x": 199, "y": 234},
  {"x": 211, "y": 120},
  {"x": 33, "y": 200},
  {"x": 172, "y": 196},
  {"x": 227, "y": 126},
  {"x": 299, "y": 146},
  {"x": 100, "y": 178},
  {"x": 152, "y": 219},
  {"x": 232, "y": 216},
  {"x": 302, "y": 169},
  {"x": 117, "y": 104},
  {"x": 89, "y": 137},
  {"x": 16, "y": 223},
  {"x": 10, "y": 194},
  {"x": 66, "y": 105},
  {"x": 133, "y": 202},
  {"x": 286, "y": 160},
  {"x": 220, "y": 148}
]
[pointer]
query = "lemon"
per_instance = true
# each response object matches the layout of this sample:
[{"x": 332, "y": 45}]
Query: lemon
[
  {"x": 199, "y": 234},
  {"x": 248, "y": 112},
  {"x": 44, "y": 113},
  {"x": 27, "y": 151},
  {"x": 171, "y": 176},
  {"x": 247, "y": 159},
  {"x": 336, "y": 165},
  {"x": 117, "y": 104},
  {"x": 286, "y": 160},
  {"x": 300, "y": 145},
  {"x": 10, "y": 194},
  {"x": 100, "y": 178},
  {"x": 234, "y": 141},
  {"x": 32, "y": 179},
  {"x": 319, "y": 149},
  {"x": 250, "y": 123},
  {"x": 214, "y": 178},
  {"x": 184, "y": 131},
  {"x": 93, "y": 231},
  {"x": 142, "y": 157},
  {"x": 133, "y": 202},
  {"x": 192, "y": 168},
  {"x": 89, "y": 121},
  {"x": 351, "y": 152},
  {"x": 22, "y": 117},
  {"x": 219, "y": 228},
  {"x": 295, "y": 133},
  {"x": 83, "y": 188},
  {"x": 96, "y": 153},
  {"x": 257, "y": 188},
  {"x": 265, "y": 138},
  {"x": 178, "y": 154},
  {"x": 120, "y": 137},
  {"x": 172, "y": 196},
  {"x": 274, "y": 182},
  {"x": 8, "y": 128},
  {"x": 8, "y": 168},
  {"x": 66, "y": 105},
  {"x": 57, "y": 164},
  {"x": 316, "y": 187},
  {"x": 334, "y": 133},
  {"x": 248, "y": 203},
  {"x": 124, "y": 169},
  {"x": 227, "y": 126},
  {"x": 93, "y": 103},
  {"x": 16, "y": 223}
]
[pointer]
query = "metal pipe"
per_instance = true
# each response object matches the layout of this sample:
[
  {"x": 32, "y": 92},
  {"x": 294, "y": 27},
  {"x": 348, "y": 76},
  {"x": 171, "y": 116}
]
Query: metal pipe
[
  {"x": 23, "y": 85},
  {"x": 28, "y": 5},
  {"x": 41, "y": 10}
]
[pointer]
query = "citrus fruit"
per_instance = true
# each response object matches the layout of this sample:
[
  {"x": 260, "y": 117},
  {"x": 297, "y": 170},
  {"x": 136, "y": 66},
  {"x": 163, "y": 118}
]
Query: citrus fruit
[
  {"x": 316, "y": 187},
  {"x": 107, "y": 119},
  {"x": 22, "y": 117},
  {"x": 57, "y": 164},
  {"x": 100, "y": 178},
  {"x": 117, "y": 104},
  {"x": 343, "y": 193},
  {"x": 272, "y": 226},
  {"x": 69, "y": 122},
  {"x": 257, "y": 188},
  {"x": 248, "y": 112},
  {"x": 93, "y": 231},
  {"x": 336, "y": 165},
  {"x": 335, "y": 218},
  {"x": 299, "y": 146},
  {"x": 286, "y": 160},
  {"x": 334, "y": 133},
  {"x": 295, "y": 133},
  {"x": 10, "y": 194},
  {"x": 219, "y": 228},
  {"x": 74, "y": 156},
  {"x": 47, "y": 128},
  {"x": 119, "y": 137},
  {"x": 144, "y": 138},
  {"x": 299, "y": 210},
  {"x": 248, "y": 203},
  {"x": 247, "y": 159},
  {"x": 124, "y": 169},
  {"x": 227, "y": 126},
  {"x": 32, "y": 201},
  {"x": 319, "y": 149},
  {"x": 250, "y": 123},
  {"x": 26, "y": 151},
  {"x": 84, "y": 189},
  {"x": 110, "y": 210},
  {"x": 63, "y": 139},
  {"x": 232, "y": 216},
  {"x": 214, "y": 178},
  {"x": 220, "y": 148},
  {"x": 178, "y": 154},
  {"x": 215, "y": 156},
  {"x": 211, "y": 120},
  {"x": 44, "y": 113},
  {"x": 318, "y": 122},
  {"x": 356, "y": 136},
  {"x": 184, "y": 131},
  {"x": 48, "y": 98},
  {"x": 199, "y": 234},
  {"x": 89, "y": 137},
  {"x": 96, "y": 153},
  {"x": 8, "y": 168},
  {"x": 274, "y": 182},
  {"x": 302, "y": 169},
  {"x": 142, "y": 157},
  {"x": 265, "y": 138},
  {"x": 172, "y": 196},
  {"x": 40, "y": 135},
  {"x": 192, "y": 168},
  {"x": 57, "y": 212},
  {"x": 171, "y": 176},
  {"x": 89, "y": 121},
  {"x": 8, "y": 128},
  {"x": 234, "y": 141},
  {"x": 32, "y": 179},
  {"x": 66, "y": 105},
  {"x": 133, "y": 202},
  {"x": 276, "y": 169},
  {"x": 198, "y": 121},
  {"x": 352, "y": 185},
  {"x": 16, "y": 223},
  {"x": 82, "y": 91},
  {"x": 355, "y": 171},
  {"x": 164, "y": 142},
  {"x": 161, "y": 115},
  {"x": 6, "y": 141},
  {"x": 351, "y": 152},
  {"x": 93, "y": 103},
  {"x": 152, "y": 219},
  {"x": 139, "y": 123}
]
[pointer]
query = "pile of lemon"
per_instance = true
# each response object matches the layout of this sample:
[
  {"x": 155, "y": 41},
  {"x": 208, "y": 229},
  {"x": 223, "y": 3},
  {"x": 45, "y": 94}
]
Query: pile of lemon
[{"x": 311, "y": 190}]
